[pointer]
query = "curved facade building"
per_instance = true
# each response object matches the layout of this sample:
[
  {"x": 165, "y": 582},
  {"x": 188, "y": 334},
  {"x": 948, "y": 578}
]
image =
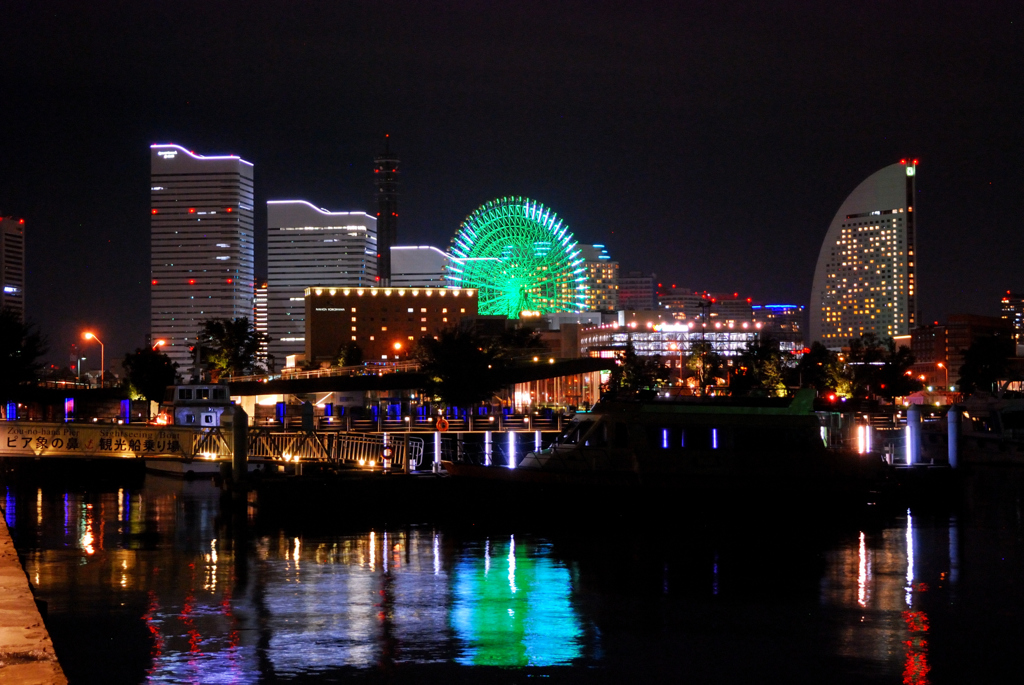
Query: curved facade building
[{"x": 865, "y": 280}]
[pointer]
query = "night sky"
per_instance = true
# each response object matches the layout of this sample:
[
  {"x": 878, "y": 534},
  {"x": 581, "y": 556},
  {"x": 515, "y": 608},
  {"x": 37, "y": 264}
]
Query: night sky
[{"x": 710, "y": 143}]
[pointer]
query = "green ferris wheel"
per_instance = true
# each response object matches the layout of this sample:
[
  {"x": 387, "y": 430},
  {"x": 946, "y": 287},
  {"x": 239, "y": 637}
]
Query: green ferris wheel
[{"x": 520, "y": 257}]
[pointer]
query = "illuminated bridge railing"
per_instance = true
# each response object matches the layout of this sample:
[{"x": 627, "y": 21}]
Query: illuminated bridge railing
[
  {"x": 307, "y": 447},
  {"x": 211, "y": 442},
  {"x": 359, "y": 449},
  {"x": 354, "y": 449}
]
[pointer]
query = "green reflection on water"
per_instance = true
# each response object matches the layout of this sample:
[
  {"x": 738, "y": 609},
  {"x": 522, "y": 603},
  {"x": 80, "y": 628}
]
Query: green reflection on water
[{"x": 511, "y": 607}]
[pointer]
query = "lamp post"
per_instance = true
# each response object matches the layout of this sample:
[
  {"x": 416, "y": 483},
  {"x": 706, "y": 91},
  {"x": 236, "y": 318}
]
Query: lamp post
[
  {"x": 944, "y": 368},
  {"x": 159, "y": 343},
  {"x": 92, "y": 336},
  {"x": 398, "y": 348}
]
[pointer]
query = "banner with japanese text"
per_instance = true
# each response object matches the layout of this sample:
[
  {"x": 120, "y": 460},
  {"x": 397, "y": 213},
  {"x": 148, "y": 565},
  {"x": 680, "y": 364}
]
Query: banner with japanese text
[{"x": 96, "y": 440}]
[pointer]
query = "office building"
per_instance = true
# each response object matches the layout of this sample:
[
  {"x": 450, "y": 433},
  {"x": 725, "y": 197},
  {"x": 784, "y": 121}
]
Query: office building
[
  {"x": 636, "y": 292},
  {"x": 673, "y": 340},
  {"x": 12, "y": 261},
  {"x": 418, "y": 266},
  {"x": 312, "y": 247},
  {"x": 602, "y": 274},
  {"x": 784, "y": 322},
  {"x": 259, "y": 311},
  {"x": 384, "y": 322},
  {"x": 1012, "y": 306},
  {"x": 385, "y": 177},
  {"x": 202, "y": 244},
  {"x": 865, "y": 277},
  {"x": 945, "y": 344}
]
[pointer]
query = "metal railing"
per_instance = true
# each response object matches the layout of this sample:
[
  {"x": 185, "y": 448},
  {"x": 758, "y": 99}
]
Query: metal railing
[
  {"x": 335, "y": 448},
  {"x": 211, "y": 441},
  {"x": 295, "y": 373}
]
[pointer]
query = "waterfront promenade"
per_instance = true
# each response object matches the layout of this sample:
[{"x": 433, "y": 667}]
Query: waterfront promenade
[{"x": 26, "y": 652}]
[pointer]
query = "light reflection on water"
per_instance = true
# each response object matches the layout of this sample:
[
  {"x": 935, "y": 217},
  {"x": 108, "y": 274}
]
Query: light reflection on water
[
  {"x": 213, "y": 604},
  {"x": 294, "y": 605}
]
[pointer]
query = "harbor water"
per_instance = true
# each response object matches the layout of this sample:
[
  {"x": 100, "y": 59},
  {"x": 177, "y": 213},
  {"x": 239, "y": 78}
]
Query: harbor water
[{"x": 154, "y": 582}]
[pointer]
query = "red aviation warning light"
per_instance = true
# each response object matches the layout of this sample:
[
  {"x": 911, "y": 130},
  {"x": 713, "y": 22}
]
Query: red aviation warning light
[
  {"x": 228, "y": 210},
  {"x": 153, "y": 211}
]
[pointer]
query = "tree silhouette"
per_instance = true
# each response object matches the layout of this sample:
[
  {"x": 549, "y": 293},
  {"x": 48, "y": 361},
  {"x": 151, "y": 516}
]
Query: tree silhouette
[
  {"x": 459, "y": 370},
  {"x": 761, "y": 369},
  {"x": 149, "y": 372},
  {"x": 233, "y": 347},
  {"x": 985, "y": 362},
  {"x": 21, "y": 346}
]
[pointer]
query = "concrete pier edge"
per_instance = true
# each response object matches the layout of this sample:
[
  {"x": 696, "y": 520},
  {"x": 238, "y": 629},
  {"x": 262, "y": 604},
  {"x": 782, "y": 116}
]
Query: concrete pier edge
[{"x": 26, "y": 651}]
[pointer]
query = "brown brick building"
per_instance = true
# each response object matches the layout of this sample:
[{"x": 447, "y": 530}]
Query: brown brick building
[
  {"x": 946, "y": 344},
  {"x": 384, "y": 322}
]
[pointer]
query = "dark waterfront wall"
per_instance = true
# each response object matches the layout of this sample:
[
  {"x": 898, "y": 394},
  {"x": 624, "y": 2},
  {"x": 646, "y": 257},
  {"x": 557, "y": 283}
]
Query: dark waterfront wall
[{"x": 161, "y": 581}]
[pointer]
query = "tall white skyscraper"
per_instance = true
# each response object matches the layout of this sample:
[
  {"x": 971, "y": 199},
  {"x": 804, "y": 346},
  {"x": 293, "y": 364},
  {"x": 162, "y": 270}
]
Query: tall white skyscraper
[
  {"x": 12, "y": 263},
  {"x": 865, "y": 281},
  {"x": 418, "y": 266},
  {"x": 202, "y": 244},
  {"x": 311, "y": 247}
]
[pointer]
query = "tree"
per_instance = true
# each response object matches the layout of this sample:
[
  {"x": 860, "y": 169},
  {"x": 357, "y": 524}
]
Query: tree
[
  {"x": 637, "y": 375},
  {"x": 705, "y": 363},
  {"x": 233, "y": 347},
  {"x": 21, "y": 346},
  {"x": 761, "y": 369},
  {"x": 517, "y": 342},
  {"x": 894, "y": 376},
  {"x": 149, "y": 373},
  {"x": 880, "y": 368},
  {"x": 985, "y": 363},
  {"x": 349, "y": 354},
  {"x": 821, "y": 369},
  {"x": 459, "y": 370}
]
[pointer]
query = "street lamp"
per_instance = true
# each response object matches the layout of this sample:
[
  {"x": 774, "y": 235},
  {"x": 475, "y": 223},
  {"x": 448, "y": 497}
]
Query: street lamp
[
  {"x": 159, "y": 343},
  {"x": 92, "y": 336},
  {"x": 398, "y": 348},
  {"x": 944, "y": 368}
]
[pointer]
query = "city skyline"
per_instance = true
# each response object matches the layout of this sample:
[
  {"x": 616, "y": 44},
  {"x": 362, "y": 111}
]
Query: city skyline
[{"x": 704, "y": 144}]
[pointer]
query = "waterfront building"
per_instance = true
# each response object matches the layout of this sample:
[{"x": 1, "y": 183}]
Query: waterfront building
[
  {"x": 668, "y": 339},
  {"x": 785, "y": 322},
  {"x": 602, "y": 282},
  {"x": 945, "y": 344},
  {"x": 12, "y": 263},
  {"x": 201, "y": 231},
  {"x": 636, "y": 292},
  {"x": 865, "y": 277},
  {"x": 683, "y": 303},
  {"x": 384, "y": 322},
  {"x": 311, "y": 247},
  {"x": 385, "y": 177},
  {"x": 419, "y": 266},
  {"x": 1012, "y": 308},
  {"x": 259, "y": 311}
]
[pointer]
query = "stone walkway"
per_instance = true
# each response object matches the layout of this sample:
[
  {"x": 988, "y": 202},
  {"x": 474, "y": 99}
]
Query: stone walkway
[{"x": 26, "y": 652}]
